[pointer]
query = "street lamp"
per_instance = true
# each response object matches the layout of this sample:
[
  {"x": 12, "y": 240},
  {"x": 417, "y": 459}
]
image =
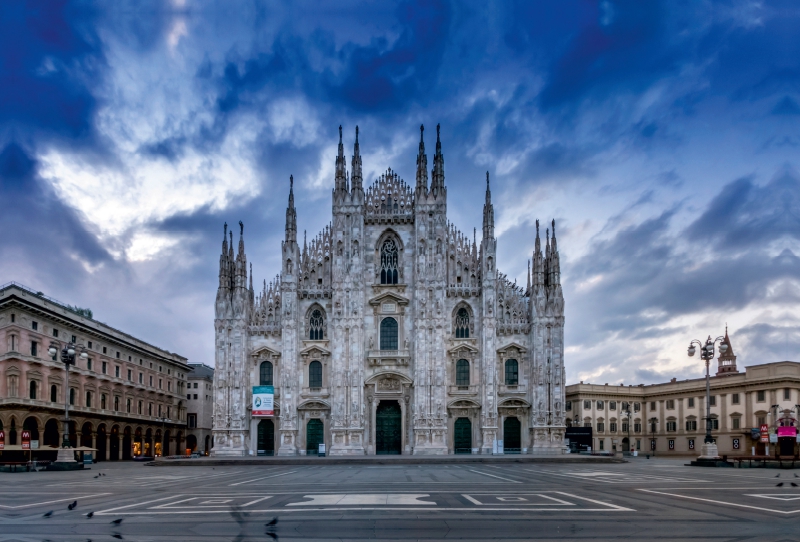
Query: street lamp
[
  {"x": 709, "y": 449},
  {"x": 163, "y": 433},
  {"x": 628, "y": 415},
  {"x": 653, "y": 421},
  {"x": 68, "y": 351}
]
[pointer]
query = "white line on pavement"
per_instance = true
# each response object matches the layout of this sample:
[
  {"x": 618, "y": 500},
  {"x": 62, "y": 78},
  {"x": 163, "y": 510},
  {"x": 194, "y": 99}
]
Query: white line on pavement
[
  {"x": 262, "y": 478},
  {"x": 493, "y": 476}
]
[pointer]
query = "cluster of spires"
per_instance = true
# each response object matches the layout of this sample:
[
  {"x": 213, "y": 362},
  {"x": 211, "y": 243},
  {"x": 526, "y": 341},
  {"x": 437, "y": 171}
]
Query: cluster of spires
[{"x": 547, "y": 266}]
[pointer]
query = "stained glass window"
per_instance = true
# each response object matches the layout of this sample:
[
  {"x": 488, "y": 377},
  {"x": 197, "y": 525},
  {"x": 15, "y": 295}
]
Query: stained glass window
[
  {"x": 388, "y": 334},
  {"x": 462, "y": 373},
  {"x": 316, "y": 326},
  {"x": 512, "y": 372},
  {"x": 315, "y": 375},
  {"x": 266, "y": 374},
  {"x": 389, "y": 262},
  {"x": 462, "y": 324}
]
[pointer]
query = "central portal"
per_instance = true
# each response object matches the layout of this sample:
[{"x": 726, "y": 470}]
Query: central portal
[{"x": 388, "y": 427}]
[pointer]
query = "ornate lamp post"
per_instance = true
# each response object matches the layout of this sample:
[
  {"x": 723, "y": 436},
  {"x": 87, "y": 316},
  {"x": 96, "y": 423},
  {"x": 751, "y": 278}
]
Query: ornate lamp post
[
  {"x": 68, "y": 352},
  {"x": 628, "y": 416},
  {"x": 653, "y": 421},
  {"x": 709, "y": 449}
]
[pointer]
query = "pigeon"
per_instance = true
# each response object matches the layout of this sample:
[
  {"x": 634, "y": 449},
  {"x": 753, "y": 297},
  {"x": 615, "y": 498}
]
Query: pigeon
[
  {"x": 98, "y": 476},
  {"x": 794, "y": 485},
  {"x": 273, "y": 522},
  {"x": 780, "y": 484},
  {"x": 89, "y": 515},
  {"x": 795, "y": 475},
  {"x": 48, "y": 514},
  {"x": 73, "y": 505},
  {"x": 117, "y": 536},
  {"x": 778, "y": 475},
  {"x": 272, "y": 535},
  {"x": 117, "y": 521}
]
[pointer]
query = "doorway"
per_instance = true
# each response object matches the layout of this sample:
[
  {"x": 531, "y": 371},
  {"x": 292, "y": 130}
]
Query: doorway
[
  {"x": 101, "y": 444},
  {"x": 266, "y": 438},
  {"x": 388, "y": 432},
  {"x": 462, "y": 436},
  {"x": 512, "y": 436},
  {"x": 113, "y": 443},
  {"x": 626, "y": 445},
  {"x": 314, "y": 436},
  {"x": 786, "y": 445}
]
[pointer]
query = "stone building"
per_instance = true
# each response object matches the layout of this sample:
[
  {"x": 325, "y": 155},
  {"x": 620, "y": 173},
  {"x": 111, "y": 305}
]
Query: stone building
[
  {"x": 199, "y": 407},
  {"x": 669, "y": 418},
  {"x": 126, "y": 398},
  {"x": 390, "y": 331}
]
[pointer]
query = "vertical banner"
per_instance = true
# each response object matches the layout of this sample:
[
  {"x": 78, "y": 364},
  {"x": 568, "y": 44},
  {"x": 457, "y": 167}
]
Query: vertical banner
[
  {"x": 263, "y": 401},
  {"x": 736, "y": 444},
  {"x": 26, "y": 439},
  {"x": 691, "y": 444},
  {"x": 2, "y": 440},
  {"x": 671, "y": 444},
  {"x": 764, "y": 432}
]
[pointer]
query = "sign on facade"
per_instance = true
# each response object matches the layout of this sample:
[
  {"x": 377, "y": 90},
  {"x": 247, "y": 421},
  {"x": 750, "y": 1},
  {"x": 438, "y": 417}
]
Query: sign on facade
[
  {"x": 2, "y": 440},
  {"x": 263, "y": 401},
  {"x": 26, "y": 439},
  {"x": 764, "y": 432},
  {"x": 691, "y": 444},
  {"x": 736, "y": 444},
  {"x": 773, "y": 438},
  {"x": 787, "y": 431},
  {"x": 671, "y": 444},
  {"x": 653, "y": 444}
]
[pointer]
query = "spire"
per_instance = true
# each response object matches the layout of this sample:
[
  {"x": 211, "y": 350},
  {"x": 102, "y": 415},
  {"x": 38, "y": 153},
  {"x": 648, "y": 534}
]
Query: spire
[
  {"x": 554, "y": 249},
  {"x": 555, "y": 261},
  {"x": 727, "y": 361},
  {"x": 538, "y": 263},
  {"x": 355, "y": 177},
  {"x": 251, "y": 277},
  {"x": 422, "y": 166},
  {"x": 488, "y": 213},
  {"x": 223, "y": 260},
  {"x": 305, "y": 247},
  {"x": 291, "y": 214},
  {"x": 341, "y": 167},
  {"x": 437, "y": 177},
  {"x": 529, "y": 278}
]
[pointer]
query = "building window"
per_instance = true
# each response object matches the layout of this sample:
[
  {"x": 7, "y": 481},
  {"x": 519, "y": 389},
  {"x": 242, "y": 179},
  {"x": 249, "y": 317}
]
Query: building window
[
  {"x": 714, "y": 424},
  {"x": 116, "y": 403},
  {"x": 672, "y": 425},
  {"x": 601, "y": 441},
  {"x": 637, "y": 407},
  {"x": 462, "y": 324},
  {"x": 117, "y": 354},
  {"x": 89, "y": 364},
  {"x": 74, "y": 339},
  {"x": 55, "y": 332},
  {"x": 151, "y": 381},
  {"x": 116, "y": 371},
  {"x": 141, "y": 378},
  {"x": 568, "y": 406},
  {"x": 34, "y": 349},
  {"x": 35, "y": 326},
  {"x": 195, "y": 384},
  {"x": 104, "y": 350},
  {"x": 690, "y": 402},
  {"x": 13, "y": 317},
  {"x": 612, "y": 426},
  {"x": 712, "y": 400},
  {"x": 512, "y": 372},
  {"x": 72, "y": 396},
  {"x": 389, "y": 257},
  {"x": 159, "y": 411},
  {"x": 612, "y": 405},
  {"x": 637, "y": 427},
  {"x": 129, "y": 358},
  {"x": 191, "y": 421},
  {"x": 159, "y": 384},
  {"x": 169, "y": 385},
  {"x": 735, "y": 399},
  {"x": 600, "y": 405},
  {"x": 130, "y": 375},
  {"x": 128, "y": 406},
  {"x": 315, "y": 374},
  {"x": 195, "y": 396},
  {"x": 601, "y": 427},
  {"x": 316, "y": 325},
  {"x": 89, "y": 345},
  {"x": 105, "y": 367},
  {"x": 462, "y": 373},
  {"x": 625, "y": 406},
  {"x": 149, "y": 409},
  {"x": 761, "y": 420},
  {"x": 691, "y": 425},
  {"x": 587, "y": 405},
  {"x": 670, "y": 404},
  {"x": 388, "y": 334},
  {"x": 735, "y": 423},
  {"x": 141, "y": 407},
  {"x": 53, "y": 393},
  {"x": 265, "y": 374},
  {"x": 103, "y": 401},
  {"x": 787, "y": 394},
  {"x": 625, "y": 427},
  {"x": 652, "y": 405},
  {"x": 32, "y": 390},
  {"x": 761, "y": 396},
  {"x": 88, "y": 399},
  {"x": 168, "y": 412},
  {"x": 587, "y": 424},
  {"x": 189, "y": 396}
]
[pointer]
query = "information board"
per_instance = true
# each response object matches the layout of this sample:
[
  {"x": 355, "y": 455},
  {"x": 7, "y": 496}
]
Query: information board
[{"x": 263, "y": 401}]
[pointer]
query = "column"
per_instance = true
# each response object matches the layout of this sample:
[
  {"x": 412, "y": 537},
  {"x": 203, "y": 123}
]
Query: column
[
  {"x": 108, "y": 445},
  {"x": 94, "y": 445}
]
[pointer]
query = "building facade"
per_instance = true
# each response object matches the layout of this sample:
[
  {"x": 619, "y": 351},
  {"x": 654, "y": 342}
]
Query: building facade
[
  {"x": 390, "y": 331},
  {"x": 199, "y": 407},
  {"x": 126, "y": 399},
  {"x": 670, "y": 418}
]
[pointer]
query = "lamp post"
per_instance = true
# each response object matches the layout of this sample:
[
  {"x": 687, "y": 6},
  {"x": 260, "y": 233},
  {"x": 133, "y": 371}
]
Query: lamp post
[
  {"x": 628, "y": 415},
  {"x": 709, "y": 449},
  {"x": 653, "y": 421},
  {"x": 163, "y": 433},
  {"x": 68, "y": 351}
]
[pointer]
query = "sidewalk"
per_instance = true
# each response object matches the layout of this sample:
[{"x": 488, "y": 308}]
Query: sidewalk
[{"x": 384, "y": 460}]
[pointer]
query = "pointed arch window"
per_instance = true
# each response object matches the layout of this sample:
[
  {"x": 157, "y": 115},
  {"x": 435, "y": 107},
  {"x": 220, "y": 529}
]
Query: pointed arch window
[
  {"x": 389, "y": 334},
  {"x": 389, "y": 258},
  {"x": 315, "y": 374},
  {"x": 265, "y": 376},
  {"x": 316, "y": 326},
  {"x": 512, "y": 372},
  {"x": 462, "y": 324},
  {"x": 462, "y": 373}
]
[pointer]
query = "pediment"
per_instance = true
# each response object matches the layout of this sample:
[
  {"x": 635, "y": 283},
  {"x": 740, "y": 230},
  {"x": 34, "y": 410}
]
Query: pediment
[
  {"x": 514, "y": 403},
  {"x": 315, "y": 351},
  {"x": 462, "y": 347},
  {"x": 264, "y": 352},
  {"x": 512, "y": 346},
  {"x": 389, "y": 297},
  {"x": 314, "y": 404},
  {"x": 464, "y": 403},
  {"x": 388, "y": 375}
]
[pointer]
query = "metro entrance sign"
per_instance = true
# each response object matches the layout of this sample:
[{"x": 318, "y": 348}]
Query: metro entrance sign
[
  {"x": 26, "y": 439},
  {"x": 764, "y": 432}
]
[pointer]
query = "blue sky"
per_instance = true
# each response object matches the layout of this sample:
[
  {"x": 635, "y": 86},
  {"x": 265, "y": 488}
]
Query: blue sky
[{"x": 662, "y": 136}]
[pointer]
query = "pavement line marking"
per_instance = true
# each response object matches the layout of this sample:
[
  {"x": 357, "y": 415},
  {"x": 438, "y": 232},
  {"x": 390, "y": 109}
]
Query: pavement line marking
[
  {"x": 613, "y": 506},
  {"x": 262, "y": 478},
  {"x": 407, "y": 509},
  {"x": 721, "y": 502},
  {"x": 74, "y": 497},
  {"x": 473, "y": 501},
  {"x": 494, "y": 476},
  {"x": 137, "y": 504},
  {"x": 354, "y": 499}
]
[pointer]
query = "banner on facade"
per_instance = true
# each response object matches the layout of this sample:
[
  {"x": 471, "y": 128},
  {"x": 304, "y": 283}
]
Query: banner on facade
[
  {"x": 2, "y": 440},
  {"x": 263, "y": 401},
  {"x": 764, "y": 432},
  {"x": 26, "y": 439},
  {"x": 787, "y": 431}
]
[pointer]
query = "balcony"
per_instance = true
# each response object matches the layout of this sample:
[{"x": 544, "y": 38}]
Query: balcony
[
  {"x": 463, "y": 390},
  {"x": 512, "y": 389},
  {"x": 389, "y": 357}
]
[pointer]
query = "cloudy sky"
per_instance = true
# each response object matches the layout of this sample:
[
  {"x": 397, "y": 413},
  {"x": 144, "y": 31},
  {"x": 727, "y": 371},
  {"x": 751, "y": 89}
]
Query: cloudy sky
[{"x": 663, "y": 137}]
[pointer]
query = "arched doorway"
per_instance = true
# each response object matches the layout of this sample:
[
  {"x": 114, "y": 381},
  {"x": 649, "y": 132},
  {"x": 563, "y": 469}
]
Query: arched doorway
[
  {"x": 73, "y": 434},
  {"x": 167, "y": 440},
  {"x": 179, "y": 448},
  {"x": 137, "y": 442},
  {"x": 626, "y": 444},
  {"x": 388, "y": 431},
  {"x": 148, "y": 443},
  {"x": 512, "y": 436},
  {"x": 113, "y": 443},
  {"x": 51, "y": 433},
  {"x": 208, "y": 442},
  {"x": 191, "y": 442},
  {"x": 86, "y": 435},
  {"x": 159, "y": 446},
  {"x": 462, "y": 436},
  {"x": 266, "y": 438},
  {"x": 12, "y": 432},
  {"x": 127, "y": 443},
  {"x": 314, "y": 436},
  {"x": 31, "y": 424},
  {"x": 101, "y": 443}
]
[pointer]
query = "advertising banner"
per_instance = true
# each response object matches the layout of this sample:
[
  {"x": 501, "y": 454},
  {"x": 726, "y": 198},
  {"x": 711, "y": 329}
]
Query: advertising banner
[
  {"x": 787, "y": 431},
  {"x": 26, "y": 439},
  {"x": 263, "y": 401}
]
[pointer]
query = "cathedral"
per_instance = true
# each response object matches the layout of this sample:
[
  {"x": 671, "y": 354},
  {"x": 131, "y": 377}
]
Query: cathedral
[{"x": 390, "y": 332}]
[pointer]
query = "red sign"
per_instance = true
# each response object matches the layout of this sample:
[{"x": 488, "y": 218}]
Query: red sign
[
  {"x": 764, "y": 432},
  {"x": 2, "y": 440},
  {"x": 787, "y": 431},
  {"x": 26, "y": 439}
]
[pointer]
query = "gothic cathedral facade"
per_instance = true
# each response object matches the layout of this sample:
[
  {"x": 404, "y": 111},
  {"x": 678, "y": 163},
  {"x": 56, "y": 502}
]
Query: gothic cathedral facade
[{"x": 390, "y": 332}]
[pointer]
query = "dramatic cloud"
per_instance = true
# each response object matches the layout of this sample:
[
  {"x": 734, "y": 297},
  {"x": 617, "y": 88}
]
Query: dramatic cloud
[{"x": 661, "y": 136}]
